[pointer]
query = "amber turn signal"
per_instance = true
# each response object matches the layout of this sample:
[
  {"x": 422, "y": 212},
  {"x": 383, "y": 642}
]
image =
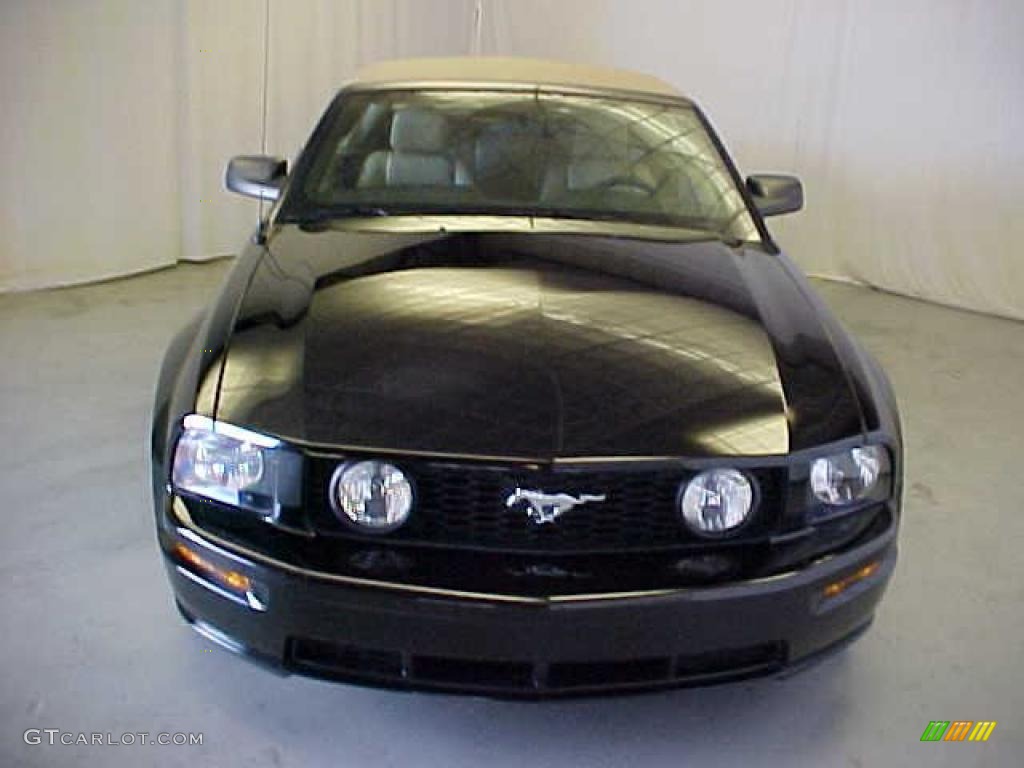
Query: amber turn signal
[
  {"x": 836, "y": 588},
  {"x": 233, "y": 580}
]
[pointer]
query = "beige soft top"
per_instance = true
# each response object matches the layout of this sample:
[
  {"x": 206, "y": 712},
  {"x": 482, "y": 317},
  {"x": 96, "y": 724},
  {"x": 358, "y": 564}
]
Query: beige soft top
[{"x": 496, "y": 69}]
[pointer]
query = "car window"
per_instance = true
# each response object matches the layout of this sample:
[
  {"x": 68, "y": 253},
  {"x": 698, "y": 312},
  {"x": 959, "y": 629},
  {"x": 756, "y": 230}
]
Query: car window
[{"x": 524, "y": 153}]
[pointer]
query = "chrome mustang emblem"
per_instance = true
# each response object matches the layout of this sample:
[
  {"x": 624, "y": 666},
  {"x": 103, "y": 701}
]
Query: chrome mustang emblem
[{"x": 547, "y": 507}]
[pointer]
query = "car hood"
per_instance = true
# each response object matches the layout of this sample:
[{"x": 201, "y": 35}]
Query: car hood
[{"x": 531, "y": 346}]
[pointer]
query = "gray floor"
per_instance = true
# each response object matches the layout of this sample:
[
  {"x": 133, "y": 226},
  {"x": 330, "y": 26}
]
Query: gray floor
[{"x": 91, "y": 641}]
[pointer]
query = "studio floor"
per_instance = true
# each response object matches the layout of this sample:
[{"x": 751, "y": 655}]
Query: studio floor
[{"x": 91, "y": 641}]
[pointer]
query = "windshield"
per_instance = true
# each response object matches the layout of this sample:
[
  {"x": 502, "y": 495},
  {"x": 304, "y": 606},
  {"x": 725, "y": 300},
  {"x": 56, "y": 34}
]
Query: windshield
[{"x": 519, "y": 153}]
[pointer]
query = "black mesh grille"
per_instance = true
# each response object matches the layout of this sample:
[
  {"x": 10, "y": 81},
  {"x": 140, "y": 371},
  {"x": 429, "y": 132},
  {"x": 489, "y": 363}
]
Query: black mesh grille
[{"x": 464, "y": 505}]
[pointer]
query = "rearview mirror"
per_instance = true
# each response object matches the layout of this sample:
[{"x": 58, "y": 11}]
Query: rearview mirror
[
  {"x": 775, "y": 193},
  {"x": 259, "y": 176}
]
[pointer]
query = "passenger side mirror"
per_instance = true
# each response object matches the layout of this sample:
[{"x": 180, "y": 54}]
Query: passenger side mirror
[
  {"x": 775, "y": 194},
  {"x": 259, "y": 176}
]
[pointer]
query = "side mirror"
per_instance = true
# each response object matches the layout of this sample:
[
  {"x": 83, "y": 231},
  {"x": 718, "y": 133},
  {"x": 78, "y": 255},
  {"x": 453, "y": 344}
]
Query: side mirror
[
  {"x": 259, "y": 176},
  {"x": 775, "y": 193}
]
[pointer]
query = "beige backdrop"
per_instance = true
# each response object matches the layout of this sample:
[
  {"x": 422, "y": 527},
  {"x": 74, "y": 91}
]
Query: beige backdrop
[{"x": 905, "y": 119}]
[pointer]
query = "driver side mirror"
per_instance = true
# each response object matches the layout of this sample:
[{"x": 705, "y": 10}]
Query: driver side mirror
[
  {"x": 775, "y": 193},
  {"x": 259, "y": 176}
]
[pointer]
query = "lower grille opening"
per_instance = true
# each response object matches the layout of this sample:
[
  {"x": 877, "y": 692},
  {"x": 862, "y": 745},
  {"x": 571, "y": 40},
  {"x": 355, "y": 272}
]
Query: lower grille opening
[
  {"x": 525, "y": 677},
  {"x": 323, "y": 658},
  {"x": 733, "y": 662},
  {"x": 602, "y": 673},
  {"x": 489, "y": 674}
]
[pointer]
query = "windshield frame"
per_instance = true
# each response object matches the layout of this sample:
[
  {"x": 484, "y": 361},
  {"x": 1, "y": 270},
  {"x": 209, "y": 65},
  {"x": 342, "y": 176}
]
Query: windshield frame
[{"x": 292, "y": 207}]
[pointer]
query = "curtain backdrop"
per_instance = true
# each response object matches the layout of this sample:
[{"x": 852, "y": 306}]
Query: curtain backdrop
[
  {"x": 88, "y": 156},
  {"x": 904, "y": 119},
  {"x": 117, "y": 117}
]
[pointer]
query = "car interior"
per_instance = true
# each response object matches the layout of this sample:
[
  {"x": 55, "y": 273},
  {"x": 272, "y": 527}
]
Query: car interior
[{"x": 572, "y": 159}]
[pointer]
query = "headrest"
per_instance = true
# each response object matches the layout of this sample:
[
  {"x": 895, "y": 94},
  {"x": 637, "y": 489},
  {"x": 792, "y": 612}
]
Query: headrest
[
  {"x": 418, "y": 130},
  {"x": 503, "y": 146}
]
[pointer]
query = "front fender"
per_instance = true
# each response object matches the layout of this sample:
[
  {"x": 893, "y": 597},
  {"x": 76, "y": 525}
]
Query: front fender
[
  {"x": 170, "y": 367},
  {"x": 191, "y": 365}
]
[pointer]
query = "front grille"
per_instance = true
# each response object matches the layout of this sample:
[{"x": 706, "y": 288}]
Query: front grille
[
  {"x": 526, "y": 677},
  {"x": 463, "y": 505}
]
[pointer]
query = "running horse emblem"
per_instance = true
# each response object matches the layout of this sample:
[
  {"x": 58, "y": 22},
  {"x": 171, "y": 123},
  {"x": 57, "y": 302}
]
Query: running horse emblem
[{"x": 544, "y": 508}]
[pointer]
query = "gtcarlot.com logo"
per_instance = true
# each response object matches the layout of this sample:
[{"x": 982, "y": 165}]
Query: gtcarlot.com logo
[
  {"x": 56, "y": 736},
  {"x": 958, "y": 730}
]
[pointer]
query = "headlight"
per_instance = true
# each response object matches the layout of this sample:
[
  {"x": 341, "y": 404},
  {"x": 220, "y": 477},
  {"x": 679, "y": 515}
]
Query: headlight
[
  {"x": 374, "y": 496},
  {"x": 235, "y": 466},
  {"x": 717, "y": 501},
  {"x": 849, "y": 476}
]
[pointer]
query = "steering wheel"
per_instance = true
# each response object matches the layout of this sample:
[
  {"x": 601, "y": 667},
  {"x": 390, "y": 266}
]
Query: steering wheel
[{"x": 629, "y": 182}]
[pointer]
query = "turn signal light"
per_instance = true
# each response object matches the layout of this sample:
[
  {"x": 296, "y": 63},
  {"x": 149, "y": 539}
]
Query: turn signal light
[
  {"x": 233, "y": 580},
  {"x": 836, "y": 588}
]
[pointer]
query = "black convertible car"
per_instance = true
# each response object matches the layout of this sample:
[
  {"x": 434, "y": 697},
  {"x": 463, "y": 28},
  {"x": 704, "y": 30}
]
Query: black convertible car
[{"x": 512, "y": 393}]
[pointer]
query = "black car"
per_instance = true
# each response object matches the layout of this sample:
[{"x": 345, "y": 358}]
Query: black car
[{"x": 512, "y": 393}]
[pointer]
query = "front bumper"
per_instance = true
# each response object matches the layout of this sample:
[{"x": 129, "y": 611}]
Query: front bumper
[{"x": 393, "y": 636}]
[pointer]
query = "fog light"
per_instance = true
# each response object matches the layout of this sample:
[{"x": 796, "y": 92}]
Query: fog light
[
  {"x": 717, "y": 502},
  {"x": 837, "y": 588},
  {"x": 372, "y": 496}
]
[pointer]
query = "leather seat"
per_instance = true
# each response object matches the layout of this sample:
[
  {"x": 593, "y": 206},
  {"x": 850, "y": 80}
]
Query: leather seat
[
  {"x": 420, "y": 154},
  {"x": 594, "y": 162}
]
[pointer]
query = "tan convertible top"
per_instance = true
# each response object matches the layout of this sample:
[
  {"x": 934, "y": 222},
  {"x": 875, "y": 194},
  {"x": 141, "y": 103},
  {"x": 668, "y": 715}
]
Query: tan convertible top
[{"x": 495, "y": 69}]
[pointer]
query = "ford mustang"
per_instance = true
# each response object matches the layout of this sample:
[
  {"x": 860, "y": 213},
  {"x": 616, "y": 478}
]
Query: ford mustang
[{"x": 512, "y": 393}]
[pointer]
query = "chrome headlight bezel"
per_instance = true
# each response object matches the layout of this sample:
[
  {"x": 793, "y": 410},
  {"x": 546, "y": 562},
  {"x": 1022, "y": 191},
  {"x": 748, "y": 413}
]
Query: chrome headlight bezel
[
  {"x": 692, "y": 486},
  {"x": 196, "y": 471}
]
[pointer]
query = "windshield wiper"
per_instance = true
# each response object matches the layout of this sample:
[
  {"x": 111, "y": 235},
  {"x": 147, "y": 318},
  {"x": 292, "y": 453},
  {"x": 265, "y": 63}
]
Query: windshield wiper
[
  {"x": 573, "y": 214},
  {"x": 322, "y": 216}
]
